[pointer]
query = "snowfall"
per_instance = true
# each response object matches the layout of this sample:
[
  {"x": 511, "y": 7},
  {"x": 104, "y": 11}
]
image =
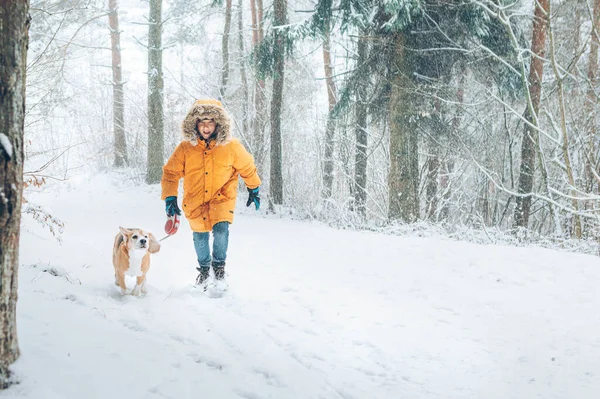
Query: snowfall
[{"x": 311, "y": 312}]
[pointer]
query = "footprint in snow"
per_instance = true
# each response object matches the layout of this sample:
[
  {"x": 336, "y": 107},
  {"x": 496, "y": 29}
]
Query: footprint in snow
[
  {"x": 271, "y": 378},
  {"x": 133, "y": 326},
  {"x": 246, "y": 394},
  {"x": 210, "y": 363}
]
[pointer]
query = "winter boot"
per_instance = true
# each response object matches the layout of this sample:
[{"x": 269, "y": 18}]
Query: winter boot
[
  {"x": 219, "y": 268},
  {"x": 219, "y": 285},
  {"x": 202, "y": 278}
]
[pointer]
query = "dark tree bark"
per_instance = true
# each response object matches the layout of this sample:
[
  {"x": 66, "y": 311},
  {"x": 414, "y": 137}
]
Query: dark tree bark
[
  {"x": 276, "y": 181},
  {"x": 360, "y": 129},
  {"x": 155, "y": 95},
  {"x": 403, "y": 180},
  {"x": 14, "y": 30},
  {"x": 530, "y": 136}
]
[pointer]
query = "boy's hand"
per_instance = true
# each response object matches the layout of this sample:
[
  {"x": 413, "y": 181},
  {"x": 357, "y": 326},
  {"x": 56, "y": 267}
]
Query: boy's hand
[
  {"x": 253, "y": 197},
  {"x": 171, "y": 206}
]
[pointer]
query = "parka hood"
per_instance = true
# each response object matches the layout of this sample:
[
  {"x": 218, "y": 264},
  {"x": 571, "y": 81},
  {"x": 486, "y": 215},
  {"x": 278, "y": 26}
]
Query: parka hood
[{"x": 203, "y": 109}]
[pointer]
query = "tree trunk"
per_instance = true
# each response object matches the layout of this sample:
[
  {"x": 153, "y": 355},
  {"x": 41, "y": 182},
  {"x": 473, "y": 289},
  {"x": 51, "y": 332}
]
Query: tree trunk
[
  {"x": 254, "y": 15},
  {"x": 330, "y": 130},
  {"x": 243, "y": 73},
  {"x": 261, "y": 20},
  {"x": 530, "y": 137},
  {"x": 592, "y": 96},
  {"x": 565, "y": 132},
  {"x": 433, "y": 163},
  {"x": 225, "y": 50},
  {"x": 448, "y": 165},
  {"x": 259, "y": 120},
  {"x": 14, "y": 28},
  {"x": 276, "y": 178},
  {"x": 403, "y": 180},
  {"x": 118, "y": 97},
  {"x": 361, "y": 134},
  {"x": 433, "y": 169},
  {"x": 155, "y": 94},
  {"x": 577, "y": 29}
]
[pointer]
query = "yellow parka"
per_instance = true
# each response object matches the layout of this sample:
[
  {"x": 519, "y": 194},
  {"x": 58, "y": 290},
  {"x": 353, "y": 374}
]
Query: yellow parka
[{"x": 209, "y": 170}]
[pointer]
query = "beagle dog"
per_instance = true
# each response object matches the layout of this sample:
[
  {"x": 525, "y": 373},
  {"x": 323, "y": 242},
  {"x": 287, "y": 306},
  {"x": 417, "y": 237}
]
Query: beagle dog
[{"x": 131, "y": 256}]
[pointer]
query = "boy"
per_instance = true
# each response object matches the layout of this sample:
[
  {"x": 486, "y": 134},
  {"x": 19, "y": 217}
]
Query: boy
[{"x": 209, "y": 160}]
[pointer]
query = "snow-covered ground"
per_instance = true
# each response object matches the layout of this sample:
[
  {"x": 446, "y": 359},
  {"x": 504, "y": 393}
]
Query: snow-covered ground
[{"x": 312, "y": 312}]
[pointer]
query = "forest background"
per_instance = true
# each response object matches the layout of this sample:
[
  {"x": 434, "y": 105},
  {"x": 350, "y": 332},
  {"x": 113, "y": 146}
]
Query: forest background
[{"x": 476, "y": 118}]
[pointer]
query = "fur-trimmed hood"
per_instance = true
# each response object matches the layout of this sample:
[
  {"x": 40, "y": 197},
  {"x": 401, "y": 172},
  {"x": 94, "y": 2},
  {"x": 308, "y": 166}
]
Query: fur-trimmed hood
[{"x": 211, "y": 109}]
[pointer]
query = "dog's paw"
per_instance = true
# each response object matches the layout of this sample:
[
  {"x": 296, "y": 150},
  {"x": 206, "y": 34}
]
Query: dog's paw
[{"x": 137, "y": 291}]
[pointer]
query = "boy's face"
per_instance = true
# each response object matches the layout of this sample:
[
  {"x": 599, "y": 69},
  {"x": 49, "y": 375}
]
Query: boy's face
[{"x": 206, "y": 127}]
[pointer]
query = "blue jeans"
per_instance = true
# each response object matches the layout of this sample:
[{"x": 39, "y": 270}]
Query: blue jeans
[{"x": 220, "y": 241}]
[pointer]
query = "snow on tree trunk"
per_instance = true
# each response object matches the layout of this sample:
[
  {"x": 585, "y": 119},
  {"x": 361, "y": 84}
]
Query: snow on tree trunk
[
  {"x": 155, "y": 95},
  {"x": 118, "y": 101},
  {"x": 14, "y": 26}
]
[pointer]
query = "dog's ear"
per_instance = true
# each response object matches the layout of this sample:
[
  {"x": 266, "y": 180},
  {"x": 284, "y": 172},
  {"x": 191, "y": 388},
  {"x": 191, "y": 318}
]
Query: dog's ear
[
  {"x": 153, "y": 244},
  {"x": 125, "y": 232}
]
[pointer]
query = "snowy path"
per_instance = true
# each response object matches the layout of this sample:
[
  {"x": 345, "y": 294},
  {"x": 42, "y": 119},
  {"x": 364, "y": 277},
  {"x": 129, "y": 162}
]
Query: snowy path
[{"x": 312, "y": 312}]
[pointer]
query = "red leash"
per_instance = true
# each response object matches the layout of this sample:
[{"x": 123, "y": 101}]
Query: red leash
[{"x": 171, "y": 226}]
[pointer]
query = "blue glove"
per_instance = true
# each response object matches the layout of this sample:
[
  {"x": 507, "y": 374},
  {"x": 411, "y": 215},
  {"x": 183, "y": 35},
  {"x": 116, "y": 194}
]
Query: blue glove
[
  {"x": 253, "y": 197},
  {"x": 171, "y": 206}
]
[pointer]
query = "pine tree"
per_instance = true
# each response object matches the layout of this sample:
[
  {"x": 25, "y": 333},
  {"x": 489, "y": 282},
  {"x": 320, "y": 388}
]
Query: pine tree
[{"x": 413, "y": 47}]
